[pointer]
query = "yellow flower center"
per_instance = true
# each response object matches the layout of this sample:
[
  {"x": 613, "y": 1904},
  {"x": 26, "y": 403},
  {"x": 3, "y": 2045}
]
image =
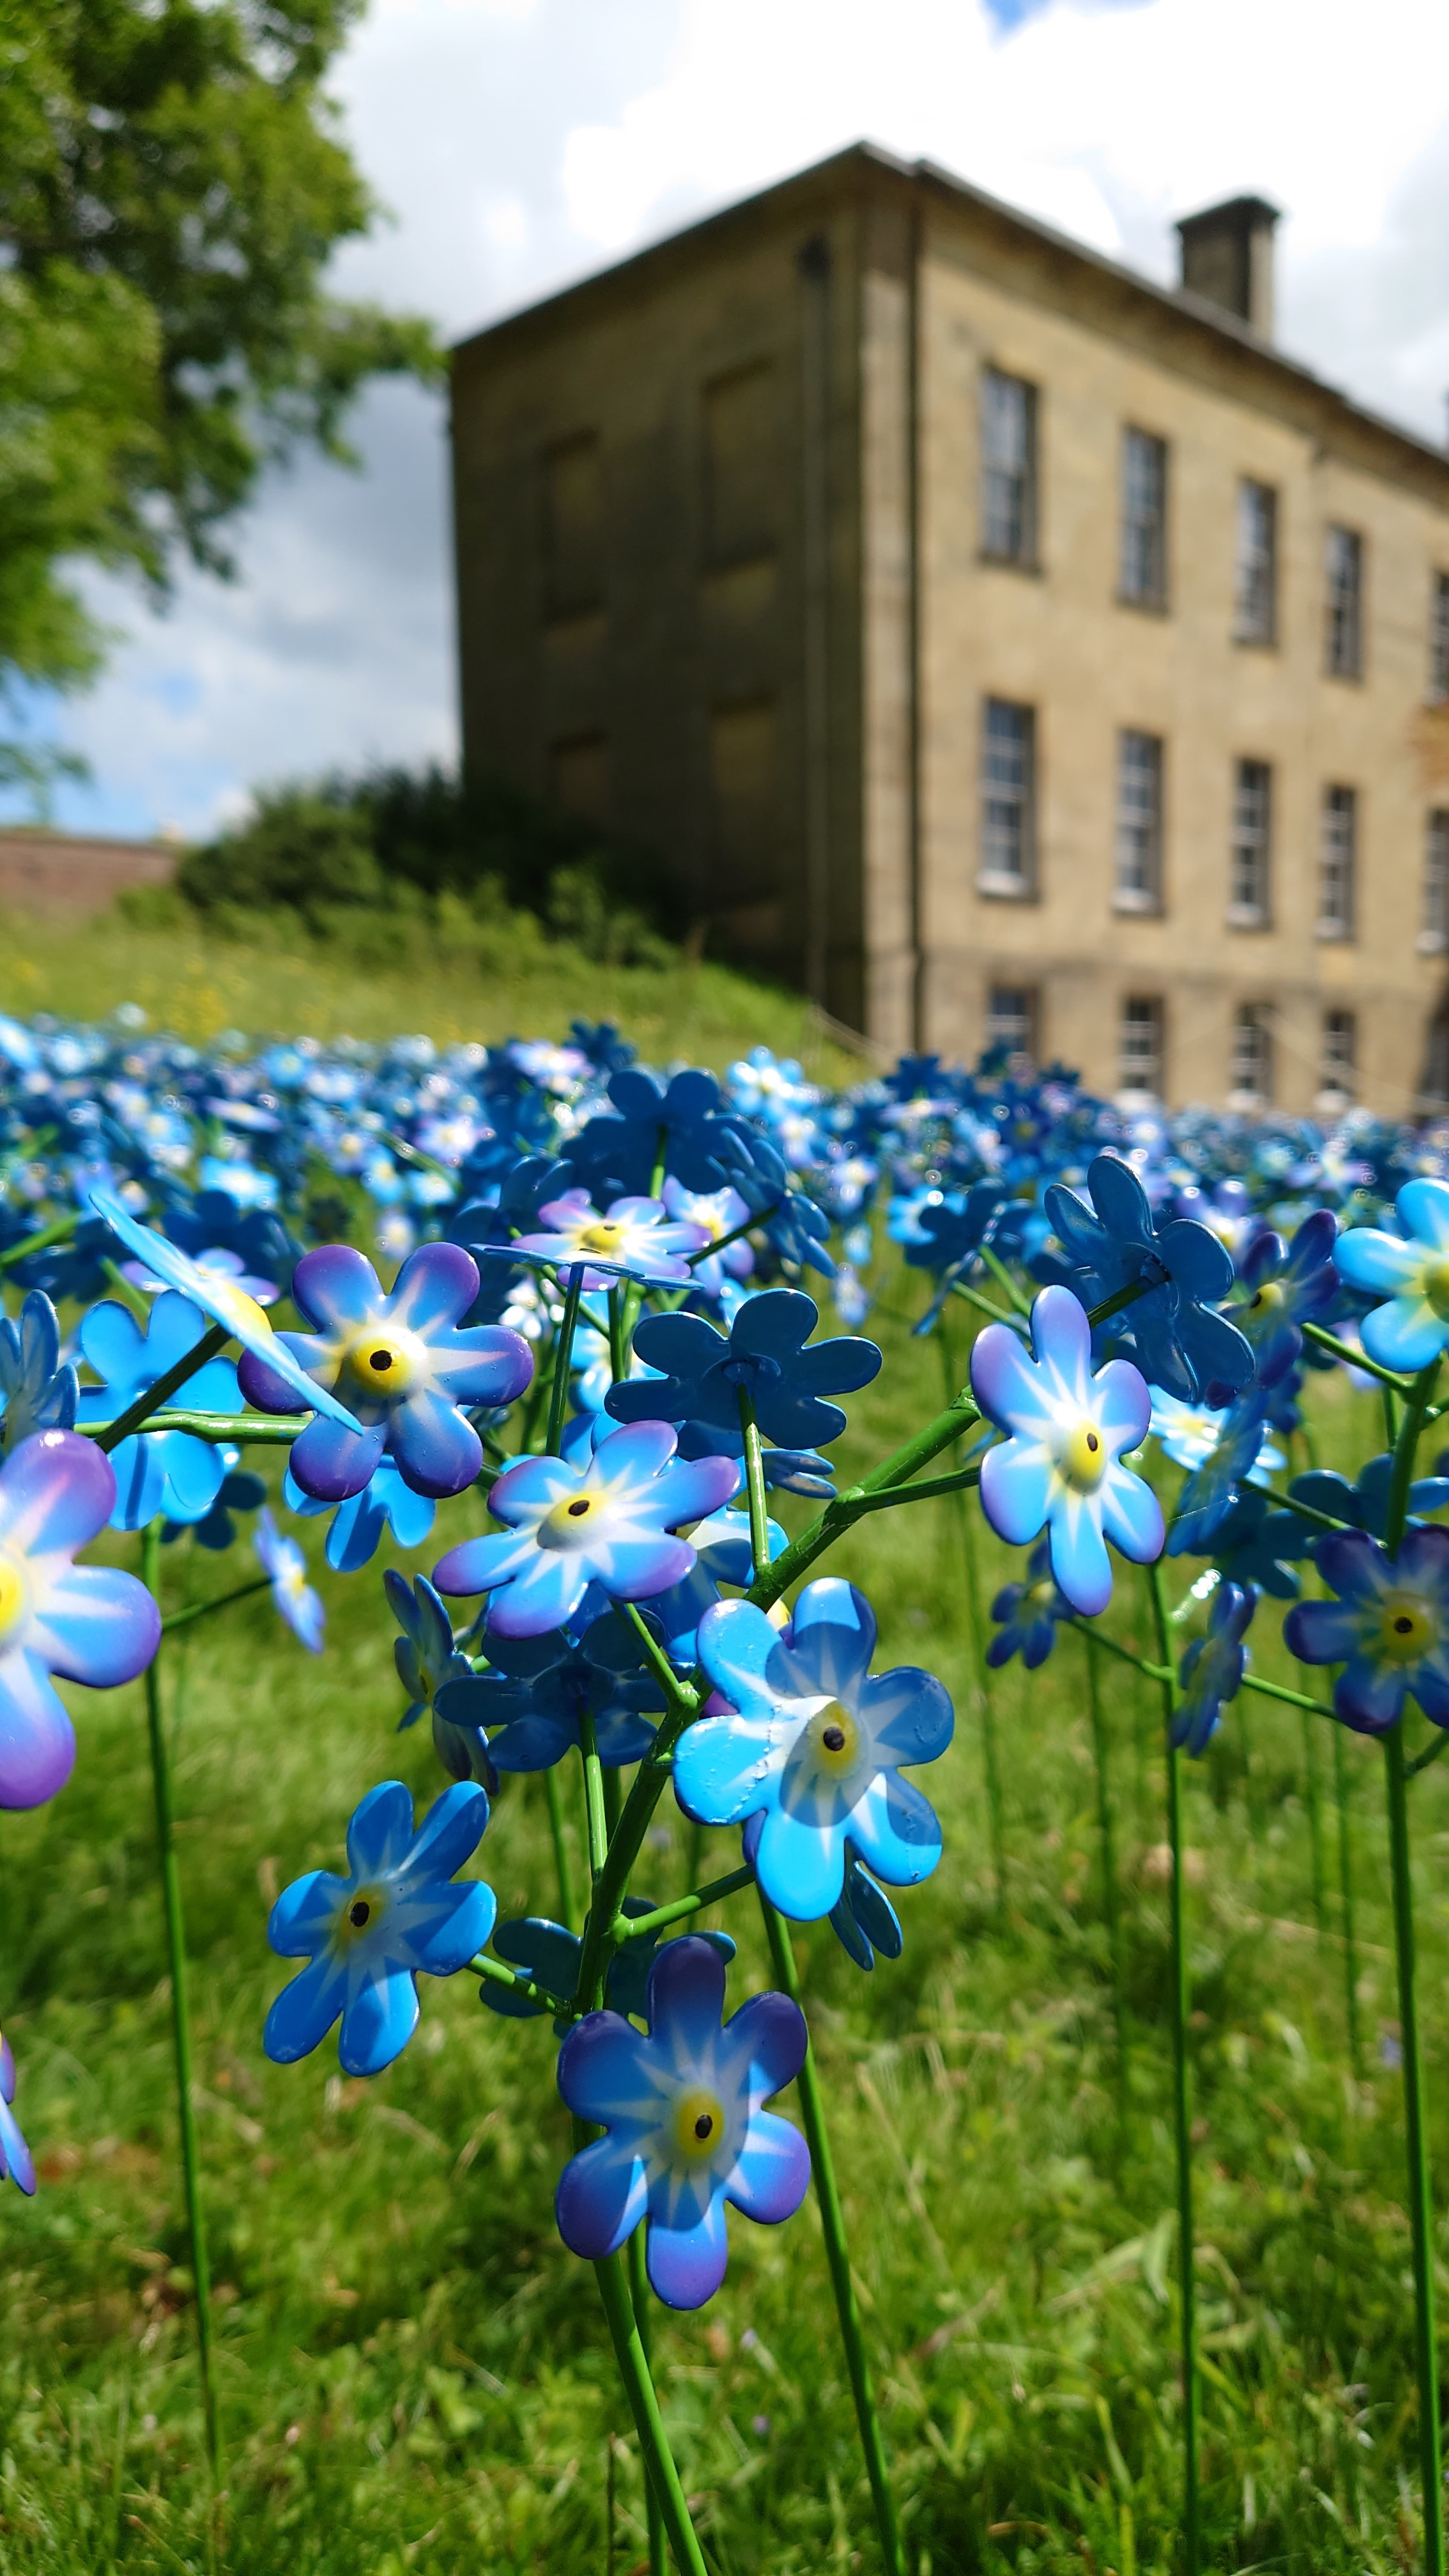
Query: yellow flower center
[
  {"x": 570, "y": 1524},
  {"x": 1266, "y": 1300},
  {"x": 699, "y": 2126},
  {"x": 604, "y": 1235},
  {"x": 1436, "y": 1286},
  {"x": 834, "y": 1740},
  {"x": 360, "y": 1915},
  {"x": 386, "y": 1362},
  {"x": 1038, "y": 1597},
  {"x": 1082, "y": 1457},
  {"x": 14, "y": 1596},
  {"x": 234, "y": 1307},
  {"x": 1408, "y": 1629}
]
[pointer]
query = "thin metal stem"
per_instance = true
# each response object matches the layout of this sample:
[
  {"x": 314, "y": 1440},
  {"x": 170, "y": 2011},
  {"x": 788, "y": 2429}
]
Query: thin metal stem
[
  {"x": 1356, "y": 1358},
  {"x": 223, "y": 1430},
  {"x": 1345, "y": 1889},
  {"x": 1182, "y": 2119},
  {"x": 180, "y": 2014},
  {"x": 562, "y": 1870},
  {"x": 837, "y": 2255},
  {"x": 496, "y": 1972},
  {"x": 1004, "y": 1280},
  {"x": 61, "y": 1232},
  {"x": 658, "y": 2459},
  {"x": 112, "y": 1434},
  {"x": 203, "y": 1609},
  {"x": 1314, "y": 1803},
  {"x": 593, "y": 1795},
  {"x": 562, "y": 1355},
  {"x": 755, "y": 1485},
  {"x": 1110, "y": 1905},
  {"x": 639, "y": 2299},
  {"x": 636, "y": 1927}
]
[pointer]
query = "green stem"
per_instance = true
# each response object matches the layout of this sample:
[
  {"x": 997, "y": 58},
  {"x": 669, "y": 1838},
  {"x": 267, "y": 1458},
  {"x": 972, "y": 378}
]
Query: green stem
[
  {"x": 658, "y": 2459},
  {"x": 722, "y": 1241},
  {"x": 203, "y": 1609},
  {"x": 634, "y": 1927},
  {"x": 755, "y": 1485},
  {"x": 1182, "y": 2120},
  {"x": 562, "y": 1355},
  {"x": 678, "y": 1693},
  {"x": 496, "y": 1972},
  {"x": 639, "y": 2300},
  {"x": 1345, "y": 1889},
  {"x": 223, "y": 1430},
  {"x": 113, "y": 1433},
  {"x": 593, "y": 1794},
  {"x": 1355, "y": 1358},
  {"x": 1421, "y": 2214},
  {"x": 1004, "y": 1280},
  {"x": 995, "y": 1805},
  {"x": 1315, "y": 1816},
  {"x": 1422, "y": 1760},
  {"x": 61, "y": 1232},
  {"x": 983, "y": 1305},
  {"x": 562, "y": 1870},
  {"x": 1109, "y": 1863},
  {"x": 1116, "y": 1305},
  {"x": 618, "y": 1356},
  {"x": 180, "y": 2014},
  {"x": 837, "y": 2255}
]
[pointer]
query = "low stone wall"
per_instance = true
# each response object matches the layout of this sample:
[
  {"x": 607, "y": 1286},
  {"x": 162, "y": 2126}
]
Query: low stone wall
[{"x": 73, "y": 872}]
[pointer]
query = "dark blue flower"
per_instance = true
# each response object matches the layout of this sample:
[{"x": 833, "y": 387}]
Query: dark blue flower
[
  {"x": 1259, "y": 1546},
  {"x": 1213, "y": 1488},
  {"x": 865, "y": 1922},
  {"x": 680, "y": 1125},
  {"x": 765, "y": 1355},
  {"x": 240, "y": 1492},
  {"x": 1212, "y": 1668},
  {"x": 1288, "y": 1286},
  {"x": 550, "y": 1955},
  {"x": 1389, "y": 1627},
  {"x": 949, "y": 1231},
  {"x": 1027, "y": 1614},
  {"x": 537, "y": 1690},
  {"x": 37, "y": 1391},
  {"x": 1178, "y": 1340},
  {"x": 1365, "y": 1503}
]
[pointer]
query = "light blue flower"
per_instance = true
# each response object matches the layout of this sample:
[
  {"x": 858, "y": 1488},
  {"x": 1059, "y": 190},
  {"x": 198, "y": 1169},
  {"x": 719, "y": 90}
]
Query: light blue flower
[
  {"x": 17, "y": 2164},
  {"x": 285, "y": 1566},
  {"x": 427, "y": 1653},
  {"x": 1413, "y": 1274},
  {"x": 865, "y": 1922},
  {"x": 1213, "y": 1488},
  {"x": 85, "y": 1623},
  {"x": 1061, "y": 1466},
  {"x": 686, "y": 2130},
  {"x": 357, "y": 1526},
  {"x": 38, "y": 1392},
  {"x": 399, "y": 1912},
  {"x": 814, "y": 1742},
  {"x": 156, "y": 1471},
  {"x": 1189, "y": 1433},
  {"x": 1212, "y": 1668}
]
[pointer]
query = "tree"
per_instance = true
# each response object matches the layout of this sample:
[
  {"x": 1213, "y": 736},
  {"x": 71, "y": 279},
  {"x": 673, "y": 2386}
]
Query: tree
[{"x": 172, "y": 183}]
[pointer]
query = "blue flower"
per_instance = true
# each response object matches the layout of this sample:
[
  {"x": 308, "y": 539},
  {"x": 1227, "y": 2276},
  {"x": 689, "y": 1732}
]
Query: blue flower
[
  {"x": 949, "y": 1232},
  {"x": 719, "y": 1212},
  {"x": 367, "y": 1936},
  {"x": 406, "y": 1369},
  {"x": 1364, "y": 1504},
  {"x": 686, "y": 2131},
  {"x": 1256, "y": 1545},
  {"x": 680, "y": 1123},
  {"x": 765, "y": 1355},
  {"x": 1213, "y": 1488},
  {"x": 865, "y": 1922},
  {"x": 240, "y": 1491},
  {"x": 1178, "y": 1341},
  {"x": 1061, "y": 1467},
  {"x": 537, "y": 1691},
  {"x": 17, "y": 2164},
  {"x": 1413, "y": 1327},
  {"x": 1289, "y": 1285},
  {"x": 609, "y": 1522},
  {"x": 356, "y": 1527},
  {"x": 85, "y": 1623},
  {"x": 550, "y": 1955},
  {"x": 634, "y": 1238},
  {"x": 285, "y": 1566},
  {"x": 1389, "y": 1627},
  {"x": 1027, "y": 1614},
  {"x": 816, "y": 1744},
  {"x": 722, "y": 1555},
  {"x": 1212, "y": 1668},
  {"x": 427, "y": 1653},
  {"x": 255, "y": 1239},
  {"x": 37, "y": 1392},
  {"x": 156, "y": 1471},
  {"x": 1190, "y": 1433}
]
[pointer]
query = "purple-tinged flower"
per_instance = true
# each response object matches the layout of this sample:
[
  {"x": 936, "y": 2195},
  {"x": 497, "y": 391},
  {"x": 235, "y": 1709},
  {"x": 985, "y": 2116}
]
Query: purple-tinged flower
[
  {"x": 399, "y": 1911},
  {"x": 609, "y": 1522},
  {"x": 285, "y": 1567},
  {"x": 86, "y": 1623},
  {"x": 764, "y": 1353},
  {"x": 427, "y": 1653},
  {"x": 633, "y": 1238},
  {"x": 355, "y": 1530},
  {"x": 17, "y": 2164},
  {"x": 686, "y": 2129},
  {"x": 551, "y": 1955},
  {"x": 719, "y": 1212},
  {"x": 1027, "y": 1614},
  {"x": 1178, "y": 1339},
  {"x": 1214, "y": 1486},
  {"x": 1413, "y": 1275},
  {"x": 1212, "y": 1668},
  {"x": 227, "y": 1304},
  {"x": 865, "y": 1922},
  {"x": 1389, "y": 1627},
  {"x": 215, "y": 1262},
  {"x": 815, "y": 1743},
  {"x": 37, "y": 1391},
  {"x": 156, "y": 1471},
  {"x": 405, "y": 1368},
  {"x": 1364, "y": 1504},
  {"x": 538, "y": 1690},
  {"x": 1288, "y": 1285},
  {"x": 1061, "y": 1466}
]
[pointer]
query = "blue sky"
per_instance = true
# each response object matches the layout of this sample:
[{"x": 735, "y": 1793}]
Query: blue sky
[{"x": 520, "y": 143}]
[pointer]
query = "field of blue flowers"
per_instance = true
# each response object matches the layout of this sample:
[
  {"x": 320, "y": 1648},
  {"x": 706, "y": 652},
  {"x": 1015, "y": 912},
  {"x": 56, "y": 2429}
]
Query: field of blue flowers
[{"x": 1083, "y": 1808}]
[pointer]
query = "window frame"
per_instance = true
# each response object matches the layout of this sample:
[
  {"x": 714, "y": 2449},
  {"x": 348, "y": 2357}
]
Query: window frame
[
  {"x": 1338, "y": 662},
  {"x": 1255, "y": 1020},
  {"x": 1127, "y": 897},
  {"x": 1151, "y": 595},
  {"x": 1437, "y": 693},
  {"x": 1433, "y": 937},
  {"x": 1001, "y": 885},
  {"x": 1260, "y": 632},
  {"x": 1142, "y": 1011},
  {"x": 1339, "y": 928},
  {"x": 1024, "y": 556},
  {"x": 1248, "y": 912},
  {"x": 1335, "y": 1063},
  {"x": 1026, "y": 1020}
]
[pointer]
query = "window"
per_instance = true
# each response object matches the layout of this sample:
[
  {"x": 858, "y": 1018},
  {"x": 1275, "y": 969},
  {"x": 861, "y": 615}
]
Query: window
[
  {"x": 1255, "y": 581},
  {"x": 1249, "y": 906},
  {"x": 1436, "y": 1061},
  {"x": 1140, "y": 1049},
  {"x": 573, "y": 528},
  {"x": 1139, "y": 822},
  {"x": 1251, "y": 1073},
  {"x": 1343, "y": 605},
  {"x": 1008, "y": 468},
  {"x": 1439, "y": 639},
  {"x": 1144, "y": 519},
  {"x": 1011, "y": 1023},
  {"x": 1340, "y": 1046},
  {"x": 1434, "y": 936},
  {"x": 1337, "y": 862},
  {"x": 741, "y": 466},
  {"x": 1008, "y": 799}
]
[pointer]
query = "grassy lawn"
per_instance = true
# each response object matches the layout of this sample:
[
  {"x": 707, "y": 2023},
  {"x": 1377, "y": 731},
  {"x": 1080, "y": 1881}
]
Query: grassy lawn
[{"x": 414, "y": 2374}]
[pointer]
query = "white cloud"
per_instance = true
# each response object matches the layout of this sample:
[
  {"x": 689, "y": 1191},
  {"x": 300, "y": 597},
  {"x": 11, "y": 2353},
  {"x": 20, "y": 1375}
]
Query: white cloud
[{"x": 523, "y": 142}]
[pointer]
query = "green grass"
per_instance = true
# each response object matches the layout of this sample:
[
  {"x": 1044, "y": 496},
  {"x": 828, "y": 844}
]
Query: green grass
[
  {"x": 413, "y": 2372},
  {"x": 515, "y": 985}
]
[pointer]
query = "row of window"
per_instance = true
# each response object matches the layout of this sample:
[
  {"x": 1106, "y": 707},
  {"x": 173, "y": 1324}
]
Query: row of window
[
  {"x": 1010, "y": 534},
  {"x": 1012, "y": 1021},
  {"x": 1008, "y": 847}
]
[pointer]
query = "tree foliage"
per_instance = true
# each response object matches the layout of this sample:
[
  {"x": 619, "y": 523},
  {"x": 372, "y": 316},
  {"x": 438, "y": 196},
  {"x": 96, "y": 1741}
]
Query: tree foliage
[{"x": 172, "y": 183}]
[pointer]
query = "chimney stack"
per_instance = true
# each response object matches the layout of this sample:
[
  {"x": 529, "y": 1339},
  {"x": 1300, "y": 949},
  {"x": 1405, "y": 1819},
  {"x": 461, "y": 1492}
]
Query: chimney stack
[{"x": 1227, "y": 259}]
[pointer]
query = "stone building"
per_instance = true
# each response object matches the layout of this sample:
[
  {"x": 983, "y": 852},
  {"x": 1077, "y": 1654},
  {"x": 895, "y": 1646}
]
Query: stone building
[{"x": 997, "y": 644}]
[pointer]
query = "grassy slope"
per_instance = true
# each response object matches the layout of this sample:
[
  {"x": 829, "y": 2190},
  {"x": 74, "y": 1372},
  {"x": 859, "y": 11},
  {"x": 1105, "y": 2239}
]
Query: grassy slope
[{"x": 413, "y": 2371}]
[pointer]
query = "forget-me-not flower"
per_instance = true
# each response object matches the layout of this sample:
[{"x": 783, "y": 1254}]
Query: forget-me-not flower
[
  {"x": 1389, "y": 1627},
  {"x": 17, "y": 2164},
  {"x": 86, "y": 1623},
  {"x": 357, "y": 1525},
  {"x": 767, "y": 1354},
  {"x": 39, "y": 1391},
  {"x": 1179, "y": 1340},
  {"x": 1287, "y": 1285},
  {"x": 156, "y": 1471},
  {"x": 1212, "y": 1668},
  {"x": 633, "y": 1238},
  {"x": 1411, "y": 1272},
  {"x": 285, "y": 1567},
  {"x": 537, "y": 1691}
]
